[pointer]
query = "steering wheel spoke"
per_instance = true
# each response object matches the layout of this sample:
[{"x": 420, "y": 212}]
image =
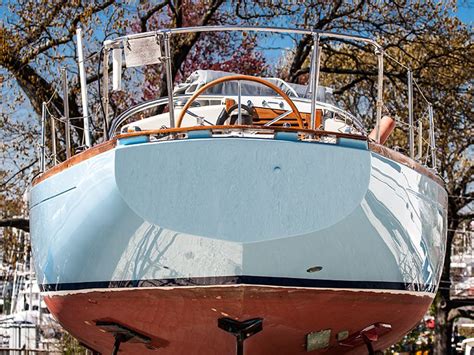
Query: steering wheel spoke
[
  {"x": 207, "y": 123},
  {"x": 278, "y": 118},
  {"x": 198, "y": 118}
]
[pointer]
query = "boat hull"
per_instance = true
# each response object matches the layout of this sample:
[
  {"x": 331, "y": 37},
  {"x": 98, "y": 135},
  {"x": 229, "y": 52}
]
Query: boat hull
[
  {"x": 175, "y": 225},
  {"x": 289, "y": 314}
]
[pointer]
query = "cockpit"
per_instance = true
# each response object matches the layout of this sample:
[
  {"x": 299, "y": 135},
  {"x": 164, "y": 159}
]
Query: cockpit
[{"x": 218, "y": 98}]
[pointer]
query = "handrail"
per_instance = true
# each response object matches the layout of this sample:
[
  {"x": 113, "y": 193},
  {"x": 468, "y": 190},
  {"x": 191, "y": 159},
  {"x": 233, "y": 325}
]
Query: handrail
[
  {"x": 163, "y": 36},
  {"x": 253, "y": 128},
  {"x": 163, "y": 39},
  {"x": 182, "y": 30},
  {"x": 164, "y": 100}
]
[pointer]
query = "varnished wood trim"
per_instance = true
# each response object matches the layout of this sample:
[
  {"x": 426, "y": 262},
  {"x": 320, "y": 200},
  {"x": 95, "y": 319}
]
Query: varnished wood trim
[
  {"x": 265, "y": 113},
  {"x": 403, "y": 159},
  {"x": 89, "y": 153},
  {"x": 241, "y": 127},
  {"x": 270, "y": 113}
]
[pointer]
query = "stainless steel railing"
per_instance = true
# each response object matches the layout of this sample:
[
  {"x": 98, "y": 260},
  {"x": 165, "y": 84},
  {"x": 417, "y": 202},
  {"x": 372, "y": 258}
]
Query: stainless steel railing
[
  {"x": 163, "y": 37},
  {"x": 124, "y": 116}
]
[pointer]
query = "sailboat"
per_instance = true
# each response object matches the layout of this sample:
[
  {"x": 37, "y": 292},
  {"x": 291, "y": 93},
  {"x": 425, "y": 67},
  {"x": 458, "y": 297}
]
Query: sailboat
[{"x": 239, "y": 214}]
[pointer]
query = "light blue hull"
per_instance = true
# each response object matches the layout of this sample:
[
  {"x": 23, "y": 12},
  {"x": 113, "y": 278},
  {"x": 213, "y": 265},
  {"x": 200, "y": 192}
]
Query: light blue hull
[{"x": 239, "y": 210}]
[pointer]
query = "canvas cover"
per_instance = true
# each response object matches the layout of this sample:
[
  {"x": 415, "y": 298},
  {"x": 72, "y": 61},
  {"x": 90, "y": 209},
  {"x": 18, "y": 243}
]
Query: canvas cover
[{"x": 201, "y": 77}]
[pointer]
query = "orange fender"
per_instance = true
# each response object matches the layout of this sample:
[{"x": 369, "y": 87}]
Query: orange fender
[{"x": 387, "y": 125}]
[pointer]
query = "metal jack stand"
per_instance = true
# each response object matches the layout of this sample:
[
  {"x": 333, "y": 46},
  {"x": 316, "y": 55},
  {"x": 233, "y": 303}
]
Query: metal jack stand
[
  {"x": 241, "y": 330},
  {"x": 368, "y": 343},
  {"x": 367, "y": 336},
  {"x": 122, "y": 334},
  {"x": 119, "y": 339}
]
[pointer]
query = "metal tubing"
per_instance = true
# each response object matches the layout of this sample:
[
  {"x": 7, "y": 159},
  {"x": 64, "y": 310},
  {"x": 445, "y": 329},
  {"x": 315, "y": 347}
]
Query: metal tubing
[
  {"x": 82, "y": 75},
  {"x": 67, "y": 129},
  {"x": 420, "y": 140},
  {"x": 169, "y": 79},
  {"x": 239, "y": 103},
  {"x": 105, "y": 92},
  {"x": 314, "y": 78},
  {"x": 249, "y": 28},
  {"x": 43, "y": 138},
  {"x": 278, "y": 118},
  {"x": 116, "y": 68},
  {"x": 162, "y": 101},
  {"x": 379, "y": 54},
  {"x": 318, "y": 70},
  {"x": 432, "y": 137},
  {"x": 167, "y": 33},
  {"x": 313, "y": 64},
  {"x": 411, "y": 132},
  {"x": 53, "y": 139},
  {"x": 239, "y": 350}
]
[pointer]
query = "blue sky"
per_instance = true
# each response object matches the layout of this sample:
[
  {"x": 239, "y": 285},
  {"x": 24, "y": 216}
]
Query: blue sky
[{"x": 466, "y": 11}]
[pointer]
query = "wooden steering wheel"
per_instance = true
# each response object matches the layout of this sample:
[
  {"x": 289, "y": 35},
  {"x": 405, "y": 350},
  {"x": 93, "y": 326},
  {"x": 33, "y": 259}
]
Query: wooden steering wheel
[{"x": 243, "y": 78}]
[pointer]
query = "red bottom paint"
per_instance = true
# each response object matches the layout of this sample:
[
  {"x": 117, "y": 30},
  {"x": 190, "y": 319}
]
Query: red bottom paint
[{"x": 184, "y": 320}]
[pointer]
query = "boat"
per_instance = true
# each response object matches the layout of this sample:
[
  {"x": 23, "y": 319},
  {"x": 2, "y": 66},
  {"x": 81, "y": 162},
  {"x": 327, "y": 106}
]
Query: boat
[
  {"x": 239, "y": 214},
  {"x": 25, "y": 322}
]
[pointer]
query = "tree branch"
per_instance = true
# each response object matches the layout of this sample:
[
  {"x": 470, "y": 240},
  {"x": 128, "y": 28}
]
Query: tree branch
[
  {"x": 50, "y": 15},
  {"x": 4, "y": 183},
  {"x": 148, "y": 14},
  {"x": 180, "y": 53},
  {"x": 18, "y": 223},
  {"x": 70, "y": 32}
]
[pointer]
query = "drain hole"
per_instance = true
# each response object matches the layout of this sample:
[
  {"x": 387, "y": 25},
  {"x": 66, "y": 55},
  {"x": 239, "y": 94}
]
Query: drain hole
[{"x": 314, "y": 269}]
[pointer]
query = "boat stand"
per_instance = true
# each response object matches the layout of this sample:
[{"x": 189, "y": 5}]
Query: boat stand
[
  {"x": 241, "y": 330},
  {"x": 122, "y": 334},
  {"x": 368, "y": 343},
  {"x": 368, "y": 335}
]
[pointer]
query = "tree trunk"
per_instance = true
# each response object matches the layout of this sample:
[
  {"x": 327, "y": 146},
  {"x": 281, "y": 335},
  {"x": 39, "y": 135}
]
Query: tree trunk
[
  {"x": 39, "y": 90},
  {"x": 444, "y": 326}
]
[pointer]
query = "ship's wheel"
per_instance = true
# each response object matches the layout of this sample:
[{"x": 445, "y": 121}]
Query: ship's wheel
[{"x": 209, "y": 85}]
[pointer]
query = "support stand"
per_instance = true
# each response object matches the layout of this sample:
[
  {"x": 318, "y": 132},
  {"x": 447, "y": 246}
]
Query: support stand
[
  {"x": 119, "y": 339},
  {"x": 368, "y": 336},
  {"x": 241, "y": 330},
  {"x": 368, "y": 343},
  {"x": 122, "y": 334}
]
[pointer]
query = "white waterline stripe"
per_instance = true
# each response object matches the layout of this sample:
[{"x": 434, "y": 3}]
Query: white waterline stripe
[{"x": 170, "y": 288}]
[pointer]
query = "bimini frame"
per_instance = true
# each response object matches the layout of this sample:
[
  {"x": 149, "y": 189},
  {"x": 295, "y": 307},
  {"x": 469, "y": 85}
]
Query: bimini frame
[{"x": 163, "y": 40}]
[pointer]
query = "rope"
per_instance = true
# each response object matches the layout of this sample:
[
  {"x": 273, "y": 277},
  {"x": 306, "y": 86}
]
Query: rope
[
  {"x": 52, "y": 96},
  {"x": 408, "y": 68},
  {"x": 421, "y": 92},
  {"x": 396, "y": 61}
]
